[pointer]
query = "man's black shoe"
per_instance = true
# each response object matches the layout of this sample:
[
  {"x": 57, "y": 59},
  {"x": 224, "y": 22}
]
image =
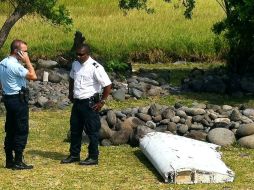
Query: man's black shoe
[
  {"x": 89, "y": 161},
  {"x": 70, "y": 159},
  {"x": 9, "y": 164},
  {"x": 21, "y": 166}
]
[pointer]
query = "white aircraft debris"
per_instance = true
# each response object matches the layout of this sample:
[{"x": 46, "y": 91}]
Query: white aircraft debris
[{"x": 183, "y": 160}]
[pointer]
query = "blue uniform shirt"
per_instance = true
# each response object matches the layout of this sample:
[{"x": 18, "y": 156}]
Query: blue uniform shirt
[{"x": 12, "y": 75}]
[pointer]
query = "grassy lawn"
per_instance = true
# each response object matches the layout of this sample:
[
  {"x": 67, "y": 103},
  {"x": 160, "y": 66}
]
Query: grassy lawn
[
  {"x": 114, "y": 35},
  {"x": 120, "y": 167}
]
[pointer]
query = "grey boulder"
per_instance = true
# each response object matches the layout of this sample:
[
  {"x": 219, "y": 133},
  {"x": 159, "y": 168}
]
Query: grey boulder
[{"x": 221, "y": 136}]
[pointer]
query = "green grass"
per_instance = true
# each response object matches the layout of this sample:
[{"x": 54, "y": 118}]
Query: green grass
[
  {"x": 120, "y": 167},
  {"x": 113, "y": 35},
  {"x": 186, "y": 99}
]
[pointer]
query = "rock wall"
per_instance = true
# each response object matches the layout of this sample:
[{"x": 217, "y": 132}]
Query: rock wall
[
  {"x": 52, "y": 92},
  {"x": 219, "y": 81},
  {"x": 222, "y": 125}
]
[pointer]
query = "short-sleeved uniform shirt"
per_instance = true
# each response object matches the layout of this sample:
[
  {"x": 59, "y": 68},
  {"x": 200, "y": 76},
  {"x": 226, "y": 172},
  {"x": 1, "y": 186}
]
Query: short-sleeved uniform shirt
[
  {"x": 89, "y": 77},
  {"x": 12, "y": 75}
]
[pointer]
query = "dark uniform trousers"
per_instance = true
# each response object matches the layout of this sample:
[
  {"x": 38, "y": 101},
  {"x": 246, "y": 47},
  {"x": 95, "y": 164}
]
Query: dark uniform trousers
[
  {"x": 83, "y": 117},
  {"x": 16, "y": 125}
]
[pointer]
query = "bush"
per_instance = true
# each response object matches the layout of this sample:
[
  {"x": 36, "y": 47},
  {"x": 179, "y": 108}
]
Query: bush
[
  {"x": 120, "y": 68},
  {"x": 238, "y": 29}
]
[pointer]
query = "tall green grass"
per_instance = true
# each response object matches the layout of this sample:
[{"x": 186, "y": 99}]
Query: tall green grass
[{"x": 115, "y": 35}]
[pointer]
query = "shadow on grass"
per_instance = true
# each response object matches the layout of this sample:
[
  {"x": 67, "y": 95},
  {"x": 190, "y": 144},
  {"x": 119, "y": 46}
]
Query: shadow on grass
[
  {"x": 142, "y": 158},
  {"x": 47, "y": 154}
]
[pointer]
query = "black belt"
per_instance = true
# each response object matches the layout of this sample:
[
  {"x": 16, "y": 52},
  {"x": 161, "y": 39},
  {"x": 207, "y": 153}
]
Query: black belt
[
  {"x": 81, "y": 100},
  {"x": 6, "y": 96}
]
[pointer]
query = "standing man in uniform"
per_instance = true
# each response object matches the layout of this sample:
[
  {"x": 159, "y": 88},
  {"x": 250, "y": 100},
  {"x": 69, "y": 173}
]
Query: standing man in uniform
[
  {"x": 13, "y": 77},
  {"x": 87, "y": 77}
]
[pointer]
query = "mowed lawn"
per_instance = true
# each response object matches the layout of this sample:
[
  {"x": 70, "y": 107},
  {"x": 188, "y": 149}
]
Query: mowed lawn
[{"x": 120, "y": 167}]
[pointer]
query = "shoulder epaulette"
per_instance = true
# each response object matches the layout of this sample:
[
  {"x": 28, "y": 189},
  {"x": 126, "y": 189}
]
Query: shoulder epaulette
[
  {"x": 1, "y": 64},
  {"x": 96, "y": 65}
]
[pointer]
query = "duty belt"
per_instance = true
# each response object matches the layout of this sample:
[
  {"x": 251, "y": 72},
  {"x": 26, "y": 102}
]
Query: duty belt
[
  {"x": 81, "y": 100},
  {"x": 6, "y": 96}
]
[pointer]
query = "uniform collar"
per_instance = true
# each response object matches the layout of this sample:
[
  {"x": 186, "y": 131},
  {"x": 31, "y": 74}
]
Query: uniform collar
[
  {"x": 87, "y": 61},
  {"x": 12, "y": 58}
]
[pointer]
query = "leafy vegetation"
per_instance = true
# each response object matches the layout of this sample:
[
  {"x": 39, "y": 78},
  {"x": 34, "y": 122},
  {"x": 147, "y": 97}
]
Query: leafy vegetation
[
  {"x": 238, "y": 28},
  {"x": 116, "y": 66},
  {"x": 47, "y": 9}
]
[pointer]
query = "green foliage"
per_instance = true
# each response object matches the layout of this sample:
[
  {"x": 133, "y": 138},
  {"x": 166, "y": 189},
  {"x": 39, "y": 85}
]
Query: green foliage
[
  {"x": 238, "y": 28},
  {"x": 47, "y": 9},
  {"x": 117, "y": 67},
  {"x": 189, "y": 5},
  {"x": 142, "y": 5}
]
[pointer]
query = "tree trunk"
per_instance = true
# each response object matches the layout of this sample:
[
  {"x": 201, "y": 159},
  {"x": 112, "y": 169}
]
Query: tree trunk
[
  {"x": 78, "y": 40},
  {"x": 9, "y": 23}
]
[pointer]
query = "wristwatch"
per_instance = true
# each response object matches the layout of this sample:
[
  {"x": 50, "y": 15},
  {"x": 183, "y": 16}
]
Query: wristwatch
[{"x": 103, "y": 101}]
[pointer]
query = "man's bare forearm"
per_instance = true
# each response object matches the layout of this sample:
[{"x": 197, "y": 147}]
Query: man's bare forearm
[
  {"x": 31, "y": 72},
  {"x": 106, "y": 92}
]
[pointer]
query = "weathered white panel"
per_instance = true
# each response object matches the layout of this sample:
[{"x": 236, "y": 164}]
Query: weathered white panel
[{"x": 185, "y": 161}]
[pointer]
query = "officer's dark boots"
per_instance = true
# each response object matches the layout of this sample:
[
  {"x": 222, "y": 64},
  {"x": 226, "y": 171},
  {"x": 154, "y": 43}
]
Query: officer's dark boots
[
  {"x": 89, "y": 161},
  {"x": 9, "y": 159},
  {"x": 70, "y": 159},
  {"x": 19, "y": 164}
]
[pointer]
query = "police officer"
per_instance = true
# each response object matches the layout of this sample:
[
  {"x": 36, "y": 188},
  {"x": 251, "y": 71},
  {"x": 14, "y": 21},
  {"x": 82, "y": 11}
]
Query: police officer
[
  {"x": 13, "y": 77},
  {"x": 87, "y": 77}
]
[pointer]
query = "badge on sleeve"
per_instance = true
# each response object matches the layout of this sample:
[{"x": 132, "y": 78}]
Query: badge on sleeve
[{"x": 96, "y": 65}]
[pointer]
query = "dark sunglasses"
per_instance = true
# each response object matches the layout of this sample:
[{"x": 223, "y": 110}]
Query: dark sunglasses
[
  {"x": 80, "y": 54},
  {"x": 22, "y": 50}
]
